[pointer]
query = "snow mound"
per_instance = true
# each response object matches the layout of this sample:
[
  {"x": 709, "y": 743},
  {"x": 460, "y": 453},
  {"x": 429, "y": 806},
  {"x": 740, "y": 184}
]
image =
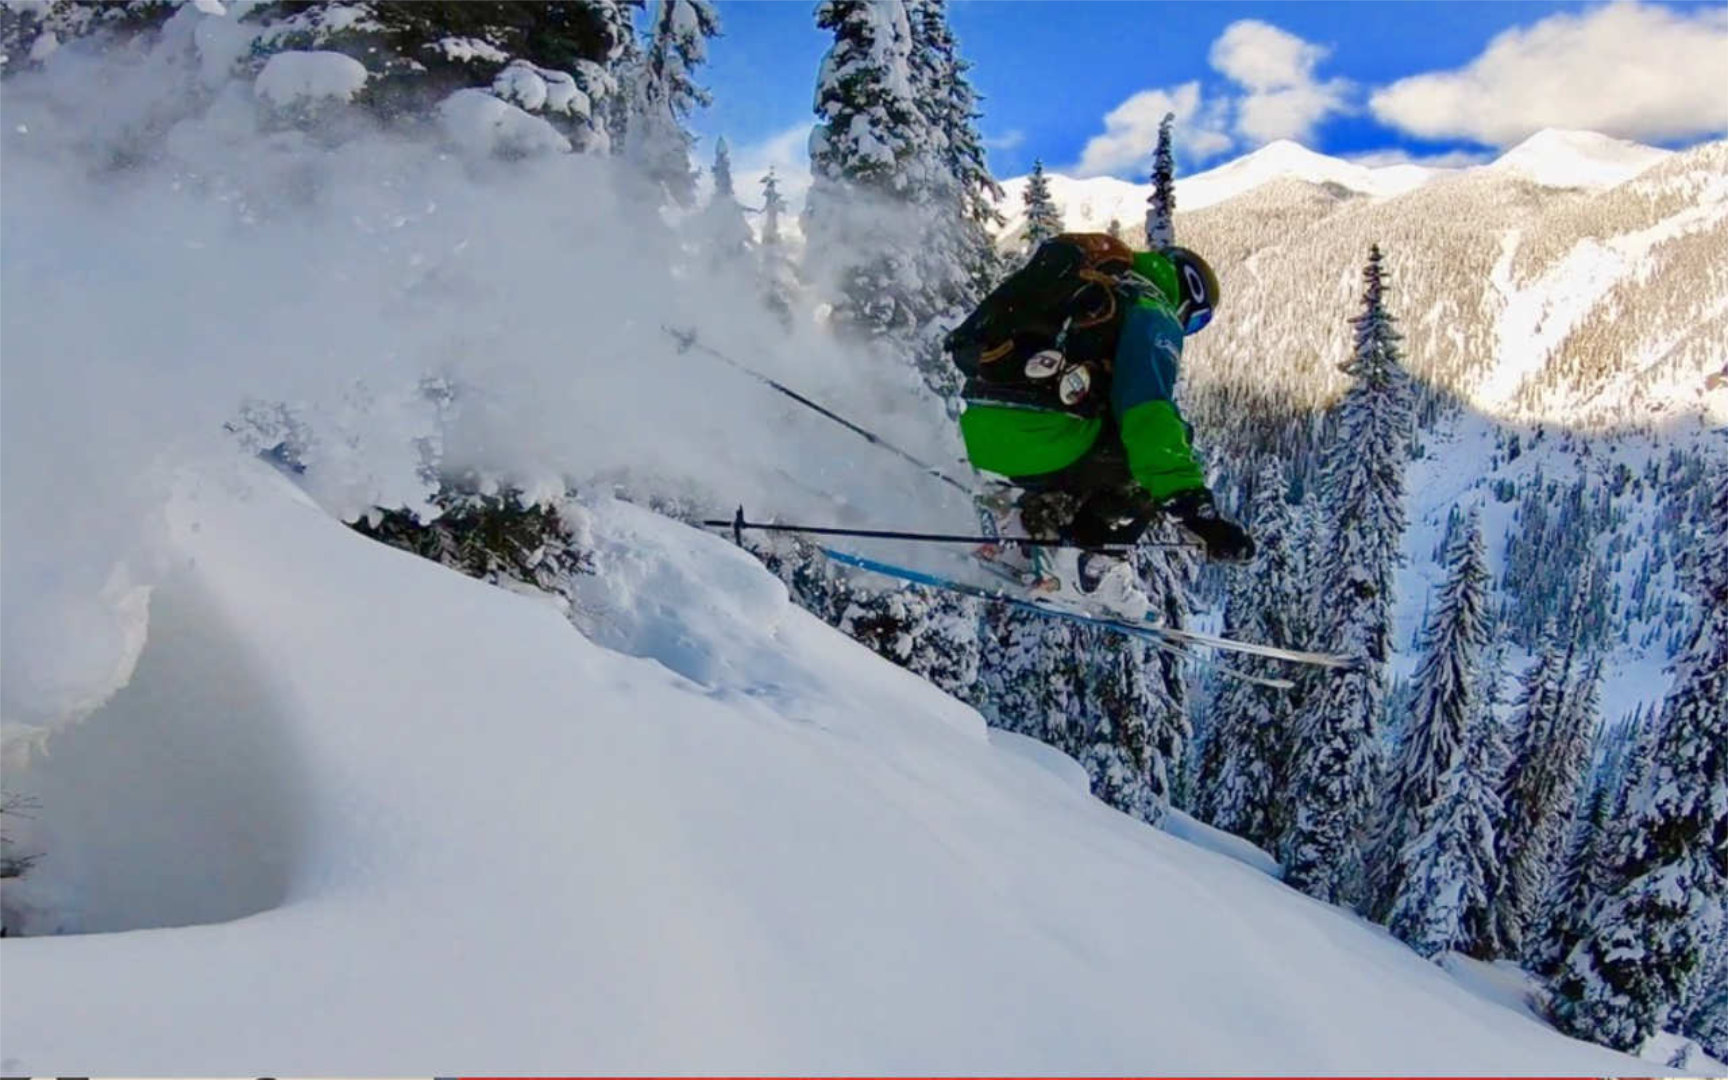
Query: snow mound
[
  {"x": 495, "y": 844},
  {"x": 290, "y": 77},
  {"x": 1577, "y": 159},
  {"x": 483, "y": 125}
]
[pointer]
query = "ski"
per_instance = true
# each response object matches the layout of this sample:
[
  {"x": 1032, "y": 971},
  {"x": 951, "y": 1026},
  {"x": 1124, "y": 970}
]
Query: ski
[{"x": 1162, "y": 637}]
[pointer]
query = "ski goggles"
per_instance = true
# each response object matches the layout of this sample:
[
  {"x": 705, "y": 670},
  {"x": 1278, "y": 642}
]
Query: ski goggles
[{"x": 1196, "y": 320}]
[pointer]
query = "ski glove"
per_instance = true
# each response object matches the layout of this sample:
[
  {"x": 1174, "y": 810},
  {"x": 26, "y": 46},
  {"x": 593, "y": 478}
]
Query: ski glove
[{"x": 1225, "y": 541}]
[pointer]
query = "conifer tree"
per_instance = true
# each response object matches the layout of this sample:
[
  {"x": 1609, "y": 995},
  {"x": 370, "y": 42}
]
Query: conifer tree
[
  {"x": 869, "y": 155},
  {"x": 1043, "y": 218},
  {"x": 1556, "y": 715},
  {"x": 1035, "y": 679},
  {"x": 1119, "y": 756},
  {"x": 1161, "y": 204},
  {"x": 962, "y": 193},
  {"x": 1648, "y": 938},
  {"x": 557, "y": 60},
  {"x": 1579, "y": 881},
  {"x": 1013, "y": 639},
  {"x": 724, "y": 232},
  {"x": 1245, "y": 767},
  {"x": 1167, "y": 571},
  {"x": 953, "y": 196},
  {"x": 1535, "y": 713},
  {"x": 664, "y": 93},
  {"x": 1446, "y": 874},
  {"x": 778, "y": 274},
  {"x": 932, "y": 634},
  {"x": 1446, "y": 708},
  {"x": 1705, "y": 1015},
  {"x": 1362, "y": 483}
]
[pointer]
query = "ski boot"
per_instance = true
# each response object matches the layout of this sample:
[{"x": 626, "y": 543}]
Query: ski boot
[
  {"x": 999, "y": 517},
  {"x": 1095, "y": 579}
]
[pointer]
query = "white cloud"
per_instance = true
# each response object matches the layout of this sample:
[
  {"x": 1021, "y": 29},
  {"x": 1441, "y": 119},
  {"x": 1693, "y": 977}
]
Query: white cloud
[
  {"x": 1276, "y": 68},
  {"x": 1008, "y": 140},
  {"x": 788, "y": 153},
  {"x": 1131, "y": 131},
  {"x": 1259, "y": 56},
  {"x": 1278, "y": 98},
  {"x": 1631, "y": 70}
]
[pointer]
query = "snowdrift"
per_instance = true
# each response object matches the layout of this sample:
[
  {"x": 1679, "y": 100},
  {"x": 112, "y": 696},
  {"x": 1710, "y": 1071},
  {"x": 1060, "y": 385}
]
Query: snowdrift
[{"x": 358, "y": 813}]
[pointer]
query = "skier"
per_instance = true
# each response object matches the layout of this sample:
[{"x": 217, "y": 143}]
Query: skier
[{"x": 1071, "y": 368}]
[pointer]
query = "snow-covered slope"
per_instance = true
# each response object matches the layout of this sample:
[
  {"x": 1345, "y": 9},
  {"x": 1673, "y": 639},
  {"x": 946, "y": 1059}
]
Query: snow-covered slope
[
  {"x": 1559, "y": 158},
  {"x": 712, "y": 835}
]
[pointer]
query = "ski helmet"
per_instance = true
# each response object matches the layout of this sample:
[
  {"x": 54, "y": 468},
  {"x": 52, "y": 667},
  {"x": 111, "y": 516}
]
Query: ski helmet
[{"x": 1197, "y": 289}]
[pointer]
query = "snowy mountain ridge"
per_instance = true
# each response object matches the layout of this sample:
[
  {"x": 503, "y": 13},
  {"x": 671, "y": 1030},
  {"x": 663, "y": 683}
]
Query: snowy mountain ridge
[
  {"x": 1553, "y": 158},
  {"x": 1531, "y": 304},
  {"x": 1559, "y": 158}
]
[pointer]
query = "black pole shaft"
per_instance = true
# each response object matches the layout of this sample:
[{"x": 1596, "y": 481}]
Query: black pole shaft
[{"x": 737, "y": 524}]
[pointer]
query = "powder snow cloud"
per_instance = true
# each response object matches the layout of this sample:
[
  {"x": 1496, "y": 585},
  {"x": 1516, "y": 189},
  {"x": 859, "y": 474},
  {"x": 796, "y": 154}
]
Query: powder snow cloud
[{"x": 1632, "y": 70}]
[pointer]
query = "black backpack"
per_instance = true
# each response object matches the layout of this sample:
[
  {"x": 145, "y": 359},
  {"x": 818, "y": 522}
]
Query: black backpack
[{"x": 1065, "y": 298}]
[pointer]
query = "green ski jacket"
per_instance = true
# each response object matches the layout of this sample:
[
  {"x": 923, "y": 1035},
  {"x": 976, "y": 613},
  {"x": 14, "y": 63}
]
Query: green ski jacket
[{"x": 1022, "y": 441}]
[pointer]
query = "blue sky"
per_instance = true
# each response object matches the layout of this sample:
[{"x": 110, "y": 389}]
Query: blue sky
[{"x": 1081, "y": 83}]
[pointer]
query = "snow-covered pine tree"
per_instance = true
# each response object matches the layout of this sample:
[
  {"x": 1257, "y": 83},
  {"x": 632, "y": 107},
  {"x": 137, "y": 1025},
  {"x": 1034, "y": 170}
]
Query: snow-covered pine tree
[
  {"x": 664, "y": 93},
  {"x": 626, "y": 68},
  {"x": 1245, "y": 765},
  {"x": 1535, "y": 716},
  {"x": 723, "y": 232},
  {"x": 1705, "y": 1016},
  {"x": 779, "y": 277},
  {"x": 1125, "y": 691},
  {"x": 1497, "y": 759},
  {"x": 813, "y": 582},
  {"x": 869, "y": 154},
  {"x": 1445, "y": 710},
  {"x": 930, "y": 633},
  {"x": 1167, "y": 570},
  {"x": 1012, "y": 639},
  {"x": 1161, "y": 204},
  {"x": 954, "y": 194},
  {"x": 1579, "y": 881},
  {"x": 1446, "y": 874},
  {"x": 1555, "y": 723},
  {"x": 1043, "y": 217},
  {"x": 965, "y": 193},
  {"x": 1624, "y": 980},
  {"x": 1362, "y": 485},
  {"x": 556, "y": 60},
  {"x": 31, "y": 32}
]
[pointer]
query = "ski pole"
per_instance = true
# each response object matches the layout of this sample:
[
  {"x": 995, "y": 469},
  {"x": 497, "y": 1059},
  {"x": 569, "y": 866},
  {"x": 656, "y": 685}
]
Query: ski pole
[
  {"x": 738, "y": 524},
  {"x": 686, "y": 340}
]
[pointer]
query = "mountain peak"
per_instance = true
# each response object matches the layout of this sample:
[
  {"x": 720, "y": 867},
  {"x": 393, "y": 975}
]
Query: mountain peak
[
  {"x": 1283, "y": 159},
  {"x": 1566, "y": 158}
]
